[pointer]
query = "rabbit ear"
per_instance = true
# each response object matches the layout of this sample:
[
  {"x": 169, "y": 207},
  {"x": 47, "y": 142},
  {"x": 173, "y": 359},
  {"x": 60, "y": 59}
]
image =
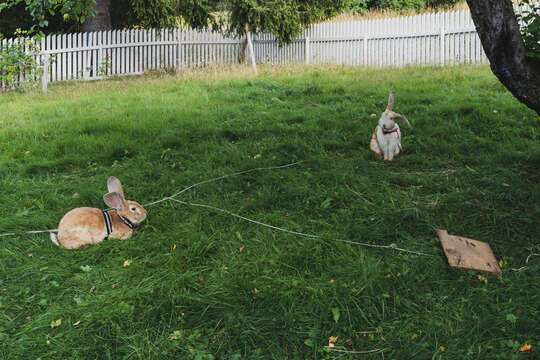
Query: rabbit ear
[
  {"x": 114, "y": 185},
  {"x": 115, "y": 201},
  {"x": 390, "y": 101},
  {"x": 402, "y": 118}
]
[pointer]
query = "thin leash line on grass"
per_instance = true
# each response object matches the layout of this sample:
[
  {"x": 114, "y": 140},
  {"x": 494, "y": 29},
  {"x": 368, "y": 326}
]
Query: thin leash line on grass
[
  {"x": 526, "y": 262},
  {"x": 352, "y": 351},
  {"x": 221, "y": 178},
  {"x": 312, "y": 236},
  {"x": 172, "y": 198},
  {"x": 32, "y": 232}
]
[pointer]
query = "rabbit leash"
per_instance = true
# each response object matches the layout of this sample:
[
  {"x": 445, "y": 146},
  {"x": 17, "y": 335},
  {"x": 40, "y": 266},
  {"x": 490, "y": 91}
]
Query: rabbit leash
[{"x": 172, "y": 198}]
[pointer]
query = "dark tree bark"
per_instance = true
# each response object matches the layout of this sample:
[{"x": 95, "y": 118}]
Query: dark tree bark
[
  {"x": 102, "y": 20},
  {"x": 501, "y": 39}
]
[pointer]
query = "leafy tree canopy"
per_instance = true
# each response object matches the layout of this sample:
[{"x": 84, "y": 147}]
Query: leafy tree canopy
[
  {"x": 39, "y": 10},
  {"x": 284, "y": 18}
]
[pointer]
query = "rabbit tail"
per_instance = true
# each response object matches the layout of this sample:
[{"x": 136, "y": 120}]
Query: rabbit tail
[{"x": 54, "y": 239}]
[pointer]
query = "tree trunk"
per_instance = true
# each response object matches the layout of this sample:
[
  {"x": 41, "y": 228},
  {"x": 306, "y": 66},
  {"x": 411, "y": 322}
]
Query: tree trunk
[
  {"x": 102, "y": 19},
  {"x": 501, "y": 39}
]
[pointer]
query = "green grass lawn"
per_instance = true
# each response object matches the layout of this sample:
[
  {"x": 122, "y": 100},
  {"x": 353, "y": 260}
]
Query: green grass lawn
[{"x": 203, "y": 284}]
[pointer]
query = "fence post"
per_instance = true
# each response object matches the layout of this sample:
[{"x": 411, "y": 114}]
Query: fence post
[
  {"x": 365, "y": 51},
  {"x": 45, "y": 76},
  {"x": 307, "y": 50},
  {"x": 441, "y": 55}
]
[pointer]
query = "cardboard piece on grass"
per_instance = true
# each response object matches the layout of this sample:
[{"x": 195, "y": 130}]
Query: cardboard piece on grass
[{"x": 467, "y": 253}]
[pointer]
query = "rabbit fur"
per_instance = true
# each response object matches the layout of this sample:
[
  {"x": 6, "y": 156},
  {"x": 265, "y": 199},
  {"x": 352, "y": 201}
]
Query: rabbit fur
[
  {"x": 386, "y": 139},
  {"x": 85, "y": 226}
]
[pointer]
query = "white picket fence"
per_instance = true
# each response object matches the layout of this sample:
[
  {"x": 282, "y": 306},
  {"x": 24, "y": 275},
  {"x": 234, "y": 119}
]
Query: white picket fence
[
  {"x": 430, "y": 39},
  {"x": 445, "y": 38}
]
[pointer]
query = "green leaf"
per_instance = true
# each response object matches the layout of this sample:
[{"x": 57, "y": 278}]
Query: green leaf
[
  {"x": 56, "y": 323},
  {"x": 239, "y": 236},
  {"x": 326, "y": 203},
  {"x": 511, "y": 317},
  {"x": 335, "y": 314}
]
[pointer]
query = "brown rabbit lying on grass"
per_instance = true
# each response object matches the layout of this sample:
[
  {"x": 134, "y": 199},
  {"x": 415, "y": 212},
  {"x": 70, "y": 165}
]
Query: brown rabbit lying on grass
[{"x": 85, "y": 226}]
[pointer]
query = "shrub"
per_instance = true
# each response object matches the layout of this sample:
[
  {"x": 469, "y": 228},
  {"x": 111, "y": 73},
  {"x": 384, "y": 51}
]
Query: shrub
[
  {"x": 19, "y": 67},
  {"x": 441, "y": 3},
  {"x": 359, "y": 6},
  {"x": 400, "y": 4},
  {"x": 531, "y": 29}
]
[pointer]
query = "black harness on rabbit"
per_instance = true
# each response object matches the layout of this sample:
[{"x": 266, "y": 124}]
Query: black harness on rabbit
[{"x": 108, "y": 222}]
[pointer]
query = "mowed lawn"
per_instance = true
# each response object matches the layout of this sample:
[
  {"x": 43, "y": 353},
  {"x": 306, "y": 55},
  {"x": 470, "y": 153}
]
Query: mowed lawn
[{"x": 202, "y": 284}]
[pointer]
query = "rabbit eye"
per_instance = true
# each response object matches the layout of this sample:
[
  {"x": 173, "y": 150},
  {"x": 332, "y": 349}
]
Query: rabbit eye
[{"x": 133, "y": 208}]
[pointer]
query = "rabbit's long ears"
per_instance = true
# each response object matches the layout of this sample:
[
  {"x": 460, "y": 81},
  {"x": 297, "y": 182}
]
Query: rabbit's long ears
[
  {"x": 402, "y": 118},
  {"x": 115, "y": 201},
  {"x": 114, "y": 186},
  {"x": 390, "y": 101}
]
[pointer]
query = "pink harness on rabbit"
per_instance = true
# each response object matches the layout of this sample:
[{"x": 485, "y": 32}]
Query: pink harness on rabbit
[{"x": 395, "y": 130}]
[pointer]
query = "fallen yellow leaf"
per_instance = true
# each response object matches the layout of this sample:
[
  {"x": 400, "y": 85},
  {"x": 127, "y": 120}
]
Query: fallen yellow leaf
[
  {"x": 482, "y": 278},
  {"x": 126, "y": 263},
  {"x": 175, "y": 335},
  {"x": 442, "y": 348},
  {"x": 414, "y": 336},
  {"x": 526, "y": 347}
]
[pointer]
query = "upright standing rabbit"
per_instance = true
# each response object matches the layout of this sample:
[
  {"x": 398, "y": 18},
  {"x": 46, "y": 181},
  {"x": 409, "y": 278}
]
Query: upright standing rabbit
[
  {"x": 83, "y": 227},
  {"x": 386, "y": 139}
]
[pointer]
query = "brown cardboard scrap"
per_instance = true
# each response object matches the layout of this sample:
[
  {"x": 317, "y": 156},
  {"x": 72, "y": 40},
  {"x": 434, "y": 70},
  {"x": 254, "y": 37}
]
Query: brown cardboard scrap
[{"x": 468, "y": 253}]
